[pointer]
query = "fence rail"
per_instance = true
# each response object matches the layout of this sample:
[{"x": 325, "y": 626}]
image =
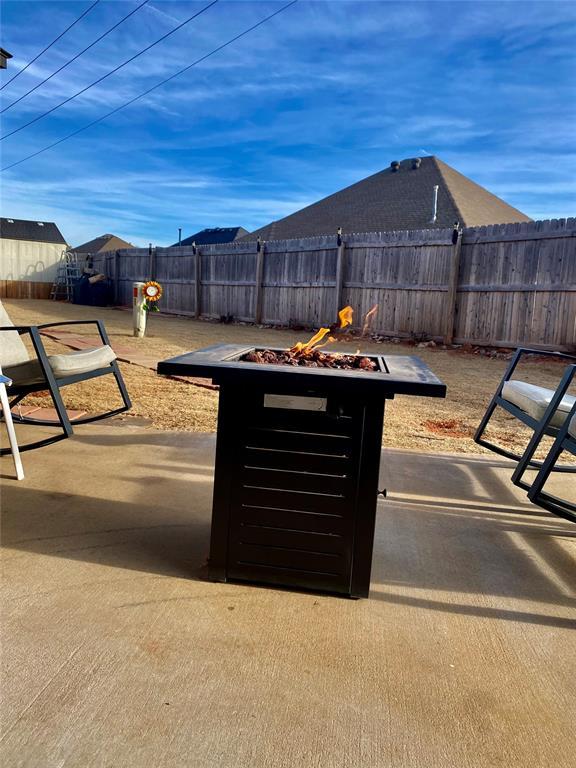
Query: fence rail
[{"x": 507, "y": 284}]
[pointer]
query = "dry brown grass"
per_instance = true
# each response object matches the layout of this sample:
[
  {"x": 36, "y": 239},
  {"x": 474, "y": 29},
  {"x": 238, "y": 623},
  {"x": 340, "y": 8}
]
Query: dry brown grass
[{"x": 421, "y": 424}]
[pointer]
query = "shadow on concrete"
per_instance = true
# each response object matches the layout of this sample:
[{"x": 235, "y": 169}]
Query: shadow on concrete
[
  {"x": 448, "y": 477},
  {"x": 143, "y": 536},
  {"x": 490, "y": 555},
  {"x": 501, "y": 614},
  {"x": 451, "y": 525}
]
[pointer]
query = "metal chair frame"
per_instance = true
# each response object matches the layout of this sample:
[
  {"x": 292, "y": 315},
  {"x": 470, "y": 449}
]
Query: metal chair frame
[
  {"x": 54, "y": 385},
  {"x": 540, "y": 428},
  {"x": 537, "y": 495}
]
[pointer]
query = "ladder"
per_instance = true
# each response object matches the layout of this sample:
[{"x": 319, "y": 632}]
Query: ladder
[{"x": 67, "y": 273}]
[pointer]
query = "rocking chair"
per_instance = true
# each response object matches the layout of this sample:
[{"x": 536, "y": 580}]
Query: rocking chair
[
  {"x": 565, "y": 441},
  {"x": 542, "y": 410},
  {"x": 52, "y": 372}
]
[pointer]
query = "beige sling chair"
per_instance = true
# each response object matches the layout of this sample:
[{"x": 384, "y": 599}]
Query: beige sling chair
[{"x": 53, "y": 372}]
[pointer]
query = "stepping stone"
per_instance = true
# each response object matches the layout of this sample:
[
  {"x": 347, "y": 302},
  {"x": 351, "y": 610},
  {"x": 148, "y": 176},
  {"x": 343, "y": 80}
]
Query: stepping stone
[
  {"x": 47, "y": 414},
  {"x": 25, "y": 410}
]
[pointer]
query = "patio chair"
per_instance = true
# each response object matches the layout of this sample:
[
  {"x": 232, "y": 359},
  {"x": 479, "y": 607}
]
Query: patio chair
[
  {"x": 53, "y": 372},
  {"x": 543, "y": 410},
  {"x": 565, "y": 441}
]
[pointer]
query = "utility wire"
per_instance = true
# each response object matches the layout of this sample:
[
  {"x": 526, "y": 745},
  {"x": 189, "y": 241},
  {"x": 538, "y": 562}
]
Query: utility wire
[
  {"x": 158, "y": 85},
  {"x": 49, "y": 46},
  {"x": 100, "y": 79},
  {"x": 74, "y": 58}
]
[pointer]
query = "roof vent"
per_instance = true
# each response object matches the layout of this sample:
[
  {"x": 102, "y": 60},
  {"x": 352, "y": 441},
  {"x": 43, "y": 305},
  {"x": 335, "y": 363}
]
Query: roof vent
[
  {"x": 40, "y": 223},
  {"x": 416, "y": 162},
  {"x": 395, "y": 166},
  {"x": 10, "y": 221}
]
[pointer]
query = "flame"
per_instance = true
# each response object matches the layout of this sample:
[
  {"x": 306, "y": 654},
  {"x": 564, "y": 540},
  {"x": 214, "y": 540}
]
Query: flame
[
  {"x": 345, "y": 316},
  {"x": 330, "y": 340},
  {"x": 301, "y": 348},
  {"x": 368, "y": 318}
]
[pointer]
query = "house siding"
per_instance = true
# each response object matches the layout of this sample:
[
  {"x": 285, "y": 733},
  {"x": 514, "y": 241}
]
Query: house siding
[{"x": 27, "y": 268}]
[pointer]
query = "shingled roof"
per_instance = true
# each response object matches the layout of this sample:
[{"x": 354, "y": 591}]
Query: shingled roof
[
  {"x": 36, "y": 231},
  {"x": 102, "y": 244},
  {"x": 214, "y": 236},
  {"x": 397, "y": 198}
]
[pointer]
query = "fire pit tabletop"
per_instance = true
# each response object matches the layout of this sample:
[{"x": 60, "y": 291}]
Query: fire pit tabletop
[{"x": 396, "y": 374}]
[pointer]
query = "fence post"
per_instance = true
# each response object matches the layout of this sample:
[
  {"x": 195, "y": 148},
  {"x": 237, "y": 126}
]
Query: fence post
[
  {"x": 452, "y": 294},
  {"x": 198, "y": 282},
  {"x": 151, "y": 263},
  {"x": 115, "y": 279},
  {"x": 339, "y": 285},
  {"x": 259, "y": 290}
]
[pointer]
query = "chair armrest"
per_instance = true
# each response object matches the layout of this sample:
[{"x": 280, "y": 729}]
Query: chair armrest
[
  {"x": 544, "y": 352},
  {"x": 98, "y": 323},
  {"x": 528, "y": 351},
  {"x": 20, "y": 328},
  {"x": 68, "y": 322}
]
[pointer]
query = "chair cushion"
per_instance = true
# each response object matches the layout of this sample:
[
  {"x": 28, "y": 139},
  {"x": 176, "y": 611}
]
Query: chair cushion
[
  {"x": 12, "y": 348},
  {"x": 572, "y": 427},
  {"x": 84, "y": 361},
  {"x": 534, "y": 400}
]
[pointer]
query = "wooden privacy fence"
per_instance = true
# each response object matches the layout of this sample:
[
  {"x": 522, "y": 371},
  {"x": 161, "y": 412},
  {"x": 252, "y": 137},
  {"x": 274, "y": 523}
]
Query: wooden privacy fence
[{"x": 506, "y": 285}]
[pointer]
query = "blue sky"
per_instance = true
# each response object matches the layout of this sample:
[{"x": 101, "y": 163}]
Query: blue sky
[{"x": 319, "y": 97}]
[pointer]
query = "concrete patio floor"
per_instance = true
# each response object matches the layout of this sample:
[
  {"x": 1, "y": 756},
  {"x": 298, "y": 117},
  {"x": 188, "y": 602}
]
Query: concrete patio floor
[{"x": 117, "y": 652}]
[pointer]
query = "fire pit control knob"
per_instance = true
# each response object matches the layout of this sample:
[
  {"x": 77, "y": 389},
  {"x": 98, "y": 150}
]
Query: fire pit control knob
[{"x": 382, "y": 493}]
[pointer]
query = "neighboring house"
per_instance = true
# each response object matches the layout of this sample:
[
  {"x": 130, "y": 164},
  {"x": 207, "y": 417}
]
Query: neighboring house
[
  {"x": 214, "y": 236},
  {"x": 101, "y": 245},
  {"x": 4, "y": 56},
  {"x": 400, "y": 197},
  {"x": 29, "y": 254}
]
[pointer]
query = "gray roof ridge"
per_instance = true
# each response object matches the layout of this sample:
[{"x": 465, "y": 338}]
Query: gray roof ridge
[
  {"x": 439, "y": 163},
  {"x": 466, "y": 180}
]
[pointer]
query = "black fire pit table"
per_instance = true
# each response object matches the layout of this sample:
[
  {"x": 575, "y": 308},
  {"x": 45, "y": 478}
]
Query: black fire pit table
[{"x": 297, "y": 462}]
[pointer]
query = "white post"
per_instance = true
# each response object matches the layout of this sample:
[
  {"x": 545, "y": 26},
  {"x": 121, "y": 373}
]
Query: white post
[
  {"x": 138, "y": 311},
  {"x": 10, "y": 427}
]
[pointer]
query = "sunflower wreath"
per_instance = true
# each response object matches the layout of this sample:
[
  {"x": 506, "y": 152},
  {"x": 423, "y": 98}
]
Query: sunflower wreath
[{"x": 152, "y": 293}]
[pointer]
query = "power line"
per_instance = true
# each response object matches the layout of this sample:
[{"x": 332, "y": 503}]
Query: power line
[
  {"x": 49, "y": 46},
  {"x": 154, "y": 87},
  {"x": 74, "y": 58},
  {"x": 100, "y": 79}
]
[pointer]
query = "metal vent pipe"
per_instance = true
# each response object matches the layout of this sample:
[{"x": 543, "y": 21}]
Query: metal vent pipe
[{"x": 434, "y": 204}]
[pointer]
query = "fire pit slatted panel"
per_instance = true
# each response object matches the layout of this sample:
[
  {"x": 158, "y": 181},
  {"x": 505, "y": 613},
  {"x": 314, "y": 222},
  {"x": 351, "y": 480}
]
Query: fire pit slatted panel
[{"x": 292, "y": 515}]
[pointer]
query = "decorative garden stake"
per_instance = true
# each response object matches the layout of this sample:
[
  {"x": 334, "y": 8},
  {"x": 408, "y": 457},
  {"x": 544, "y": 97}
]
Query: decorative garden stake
[
  {"x": 145, "y": 296},
  {"x": 138, "y": 312}
]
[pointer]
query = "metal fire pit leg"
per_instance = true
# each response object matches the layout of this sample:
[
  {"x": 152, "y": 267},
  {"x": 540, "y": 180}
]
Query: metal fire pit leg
[
  {"x": 226, "y": 453},
  {"x": 367, "y": 497}
]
